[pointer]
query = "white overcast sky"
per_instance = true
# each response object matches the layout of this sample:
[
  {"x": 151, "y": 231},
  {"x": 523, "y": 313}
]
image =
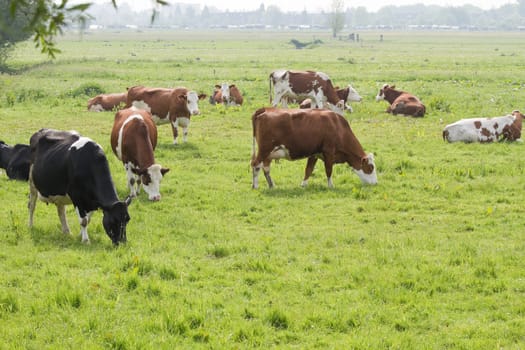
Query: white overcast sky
[{"x": 312, "y": 5}]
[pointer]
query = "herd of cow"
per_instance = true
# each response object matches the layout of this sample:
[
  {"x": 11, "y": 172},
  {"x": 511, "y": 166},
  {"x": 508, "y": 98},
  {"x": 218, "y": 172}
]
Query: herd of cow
[{"x": 63, "y": 167}]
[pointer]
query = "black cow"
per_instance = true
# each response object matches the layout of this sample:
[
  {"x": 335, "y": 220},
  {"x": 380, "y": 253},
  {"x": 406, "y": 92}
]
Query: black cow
[
  {"x": 67, "y": 168},
  {"x": 15, "y": 160}
]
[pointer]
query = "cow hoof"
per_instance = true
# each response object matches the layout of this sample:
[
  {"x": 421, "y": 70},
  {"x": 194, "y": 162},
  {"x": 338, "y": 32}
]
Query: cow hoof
[{"x": 86, "y": 242}]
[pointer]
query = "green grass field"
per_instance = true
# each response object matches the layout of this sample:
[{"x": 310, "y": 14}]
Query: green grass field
[{"x": 430, "y": 258}]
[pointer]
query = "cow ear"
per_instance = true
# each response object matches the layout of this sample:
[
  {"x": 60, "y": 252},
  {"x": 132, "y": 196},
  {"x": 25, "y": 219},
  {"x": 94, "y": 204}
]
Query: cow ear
[
  {"x": 183, "y": 97},
  {"x": 202, "y": 96},
  {"x": 393, "y": 87},
  {"x": 217, "y": 86},
  {"x": 232, "y": 85},
  {"x": 164, "y": 171}
]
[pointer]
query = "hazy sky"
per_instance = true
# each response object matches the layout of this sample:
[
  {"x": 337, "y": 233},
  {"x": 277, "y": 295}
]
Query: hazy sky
[{"x": 315, "y": 5}]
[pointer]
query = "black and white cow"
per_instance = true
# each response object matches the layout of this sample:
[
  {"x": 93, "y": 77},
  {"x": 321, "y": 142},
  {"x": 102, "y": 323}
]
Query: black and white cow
[
  {"x": 67, "y": 168},
  {"x": 15, "y": 160}
]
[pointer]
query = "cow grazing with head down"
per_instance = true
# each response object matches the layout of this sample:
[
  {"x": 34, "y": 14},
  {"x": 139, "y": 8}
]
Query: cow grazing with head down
[
  {"x": 107, "y": 102},
  {"x": 133, "y": 140},
  {"x": 67, "y": 168},
  {"x": 227, "y": 94},
  {"x": 299, "y": 85},
  {"x": 174, "y": 106},
  {"x": 401, "y": 102},
  {"x": 307, "y": 133},
  {"x": 505, "y": 128},
  {"x": 15, "y": 160}
]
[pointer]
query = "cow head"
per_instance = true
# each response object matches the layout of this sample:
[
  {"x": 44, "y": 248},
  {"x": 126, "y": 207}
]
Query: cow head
[
  {"x": 151, "y": 178},
  {"x": 515, "y": 128},
  {"x": 381, "y": 94},
  {"x": 5, "y": 154},
  {"x": 367, "y": 173},
  {"x": 225, "y": 92},
  {"x": 352, "y": 95},
  {"x": 192, "y": 102},
  {"x": 115, "y": 221}
]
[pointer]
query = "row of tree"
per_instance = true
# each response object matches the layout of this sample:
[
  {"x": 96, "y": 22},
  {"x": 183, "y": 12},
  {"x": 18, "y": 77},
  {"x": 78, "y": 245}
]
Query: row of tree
[
  {"x": 44, "y": 20},
  {"x": 507, "y": 17}
]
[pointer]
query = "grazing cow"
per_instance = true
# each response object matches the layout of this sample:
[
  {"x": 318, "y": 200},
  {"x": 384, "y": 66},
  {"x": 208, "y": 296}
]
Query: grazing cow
[
  {"x": 175, "y": 106},
  {"x": 15, "y": 160},
  {"x": 307, "y": 133},
  {"x": 227, "y": 94},
  {"x": 67, "y": 168},
  {"x": 133, "y": 140},
  {"x": 485, "y": 129},
  {"x": 107, "y": 102},
  {"x": 348, "y": 94},
  {"x": 401, "y": 102},
  {"x": 299, "y": 85}
]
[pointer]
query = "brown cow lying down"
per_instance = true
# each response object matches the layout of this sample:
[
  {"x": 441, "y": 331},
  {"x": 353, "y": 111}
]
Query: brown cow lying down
[
  {"x": 348, "y": 94},
  {"x": 401, "y": 102},
  {"x": 506, "y": 128},
  {"x": 227, "y": 94},
  {"x": 106, "y": 102},
  {"x": 307, "y": 133}
]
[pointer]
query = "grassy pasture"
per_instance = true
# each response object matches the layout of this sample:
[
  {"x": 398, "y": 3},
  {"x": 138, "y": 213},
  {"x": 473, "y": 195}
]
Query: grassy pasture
[{"x": 430, "y": 258}]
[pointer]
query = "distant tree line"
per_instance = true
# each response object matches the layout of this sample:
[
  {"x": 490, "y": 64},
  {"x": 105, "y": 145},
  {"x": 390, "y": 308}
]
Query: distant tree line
[
  {"x": 506, "y": 17},
  {"x": 44, "y": 20}
]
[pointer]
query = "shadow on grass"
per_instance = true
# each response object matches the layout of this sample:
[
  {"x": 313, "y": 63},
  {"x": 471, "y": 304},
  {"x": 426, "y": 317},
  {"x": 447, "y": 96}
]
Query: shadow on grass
[
  {"x": 54, "y": 239},
  {"x": 312, "y": 190}
]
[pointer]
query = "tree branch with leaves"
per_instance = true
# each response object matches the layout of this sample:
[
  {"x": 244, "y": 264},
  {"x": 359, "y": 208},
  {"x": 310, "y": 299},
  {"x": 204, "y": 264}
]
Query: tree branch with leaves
[{"x": 47, "y": 19}]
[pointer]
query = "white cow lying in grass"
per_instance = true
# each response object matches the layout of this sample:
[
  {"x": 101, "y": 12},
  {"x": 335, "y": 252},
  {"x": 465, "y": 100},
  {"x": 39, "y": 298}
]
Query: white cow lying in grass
[{"x": 506, "y": 128}]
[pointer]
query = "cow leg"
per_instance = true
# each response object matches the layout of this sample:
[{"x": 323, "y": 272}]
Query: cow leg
[
  {"x": 256, "y": 168},
  {"x": 184, "y": 123},
  {"x": 255, "y": 174},
  {"x": 184, "y": 134},
  {"x": 328, "y": 165},
  {"x": 308, "y": 170},
  {"x": 84, "y": 221},
  {"x": 61, "y": 210},
  {"x": 33, "y": 194},
  {"x": 133, "y": 187},
  {"x": 266, "y": 170},
  {"x": 174, "y": 129}
]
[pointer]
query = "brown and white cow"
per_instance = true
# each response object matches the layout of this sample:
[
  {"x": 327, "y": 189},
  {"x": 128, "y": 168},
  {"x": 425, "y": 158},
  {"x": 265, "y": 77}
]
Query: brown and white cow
[
  {"x": 133, "y": 140},
  {"x": 307, "y": 133},
  {"x": 401, "y": 102},
  {"x": 299, "y": 85},
  {"x": 107, "y": 102},
  {"x": 348, "y": 94},
  {"x": 174, "y": 106},
  {"x": 227, "y": 94},
  {"x": 505, "y": 128}
]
